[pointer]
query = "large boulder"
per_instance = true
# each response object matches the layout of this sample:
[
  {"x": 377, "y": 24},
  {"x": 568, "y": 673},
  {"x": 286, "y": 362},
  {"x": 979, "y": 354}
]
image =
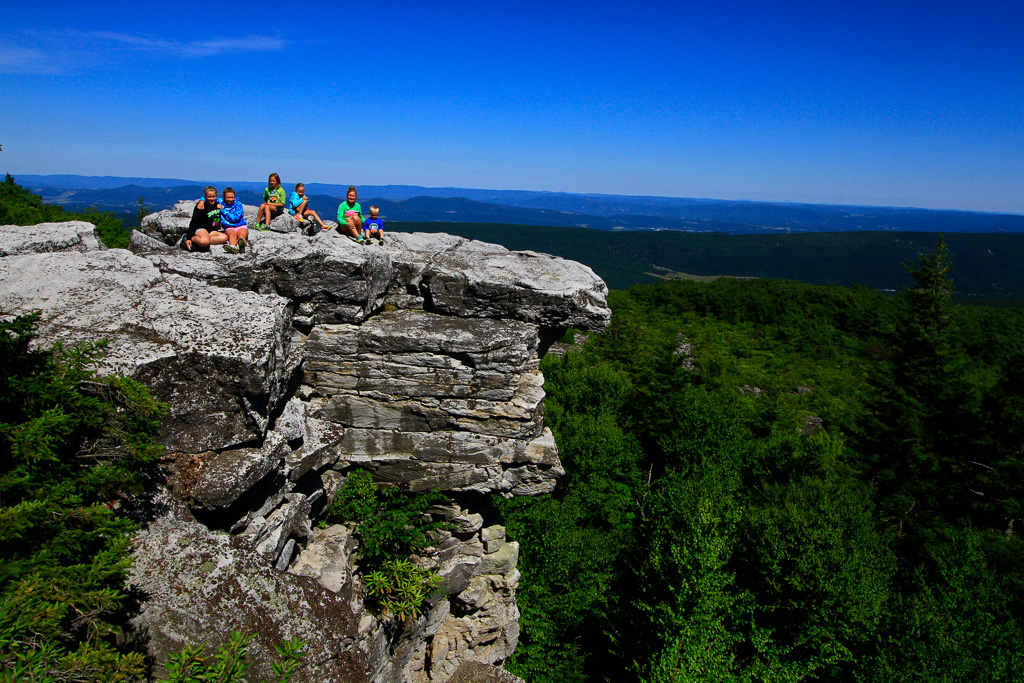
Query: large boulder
[
  {"x": 49, "y": 237},
  {"x": 332, "y": 279},
  {"x": 200, "y": 586},
  {"x": 219, "y": 358},
  {"x": 466, "y": 278},
  {"x": 286, "y": 367},
  {"x": 168, "y": 226}
]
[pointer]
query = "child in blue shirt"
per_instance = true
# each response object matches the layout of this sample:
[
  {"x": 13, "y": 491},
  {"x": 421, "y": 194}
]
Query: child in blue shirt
[
  {"x": 232, "y": 222},
  {"x": 374, "y": 226},
  {"x": 297, "y": 206}
]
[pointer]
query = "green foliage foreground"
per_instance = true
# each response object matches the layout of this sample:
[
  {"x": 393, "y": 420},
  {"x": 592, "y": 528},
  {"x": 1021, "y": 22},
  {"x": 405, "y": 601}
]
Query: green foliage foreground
[
  {"x": 73, "y": 449},
  {"x": 829, "y": 492}
]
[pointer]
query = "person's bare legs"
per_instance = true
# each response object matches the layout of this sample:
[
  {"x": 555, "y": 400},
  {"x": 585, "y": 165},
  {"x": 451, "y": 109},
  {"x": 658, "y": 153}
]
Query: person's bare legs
[
  {"x": 354, "y": 225},
  {"x": 217, "y": 237},
  {"x": 265, "y": 210},
  {"x": 316, "y": 217},
  {"x": 200, "y": 240},
  {"x": 235, "y": 234}
]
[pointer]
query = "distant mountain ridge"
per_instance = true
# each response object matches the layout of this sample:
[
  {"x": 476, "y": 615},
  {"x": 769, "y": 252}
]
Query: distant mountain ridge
[{"x": 559, "y": 209}]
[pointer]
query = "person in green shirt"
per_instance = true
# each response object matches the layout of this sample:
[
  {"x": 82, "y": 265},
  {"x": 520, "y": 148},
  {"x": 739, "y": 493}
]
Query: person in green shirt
[
  {"x": 350, "y": 216},
  {"x": 273, "y": 201}
]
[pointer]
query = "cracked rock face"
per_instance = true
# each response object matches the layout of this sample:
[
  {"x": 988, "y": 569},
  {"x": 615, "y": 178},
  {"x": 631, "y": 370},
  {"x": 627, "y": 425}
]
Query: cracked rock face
[
  {"x": 466, "y": 278},
  {"x": 219, "y": 358},
  {"x": 286, "y": 368},
  {"x": 202, "y": 585}
]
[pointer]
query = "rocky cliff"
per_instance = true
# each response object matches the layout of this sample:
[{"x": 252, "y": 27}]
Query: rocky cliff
[{"x": 287, "y": 367}]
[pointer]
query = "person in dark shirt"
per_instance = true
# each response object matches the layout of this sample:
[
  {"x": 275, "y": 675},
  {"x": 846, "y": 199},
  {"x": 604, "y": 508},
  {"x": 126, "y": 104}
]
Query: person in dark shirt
[{"x": 204, "y": 229}]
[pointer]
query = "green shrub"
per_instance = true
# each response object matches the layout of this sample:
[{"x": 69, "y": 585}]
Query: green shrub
[
  {"x": 391, "y": 525},
  {"x": 400, "y": 587},
  {"x": 228, "y": 664},
  {"x": 74, "y": 448}
]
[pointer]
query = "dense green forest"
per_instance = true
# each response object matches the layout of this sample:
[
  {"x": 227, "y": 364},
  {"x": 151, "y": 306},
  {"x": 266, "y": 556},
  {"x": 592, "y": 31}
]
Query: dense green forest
[{"x": 769, "y": 480}]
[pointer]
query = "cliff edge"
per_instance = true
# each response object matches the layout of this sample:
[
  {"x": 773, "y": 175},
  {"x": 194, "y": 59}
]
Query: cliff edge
[{"x": 289, "y": 366}]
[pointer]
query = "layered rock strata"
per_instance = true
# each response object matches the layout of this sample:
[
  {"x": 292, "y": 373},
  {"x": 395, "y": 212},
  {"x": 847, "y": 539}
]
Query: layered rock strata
[{"x": 284, "y": 369}]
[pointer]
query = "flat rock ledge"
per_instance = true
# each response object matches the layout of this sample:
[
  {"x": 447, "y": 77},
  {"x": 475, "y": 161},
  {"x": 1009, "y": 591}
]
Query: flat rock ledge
[{"x": 285, "y": 369}]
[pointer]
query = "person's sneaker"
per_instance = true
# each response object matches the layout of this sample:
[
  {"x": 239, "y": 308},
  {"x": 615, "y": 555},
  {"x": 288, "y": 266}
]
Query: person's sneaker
[
  {"x": 241, "y": 245},
  {"x": 230, "y": 249},
  {"x": 380, "y": 241}
]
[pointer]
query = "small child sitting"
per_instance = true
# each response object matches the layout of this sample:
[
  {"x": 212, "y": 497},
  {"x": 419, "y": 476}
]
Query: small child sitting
[
  {"x": 297, "y": 206},
  {"x": 232, "y": 221},
  {"x": 374, "y": 226}
]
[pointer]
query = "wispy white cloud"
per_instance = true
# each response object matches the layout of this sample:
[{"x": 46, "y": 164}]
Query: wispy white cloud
[
  {"x": 21, "y": 60},
  {"x": 70, "y": 50},
  {"x": 200, "y": 48}
]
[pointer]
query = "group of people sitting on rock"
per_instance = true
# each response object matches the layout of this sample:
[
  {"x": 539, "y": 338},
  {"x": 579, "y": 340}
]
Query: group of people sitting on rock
[{"x": 223, "y": 222}]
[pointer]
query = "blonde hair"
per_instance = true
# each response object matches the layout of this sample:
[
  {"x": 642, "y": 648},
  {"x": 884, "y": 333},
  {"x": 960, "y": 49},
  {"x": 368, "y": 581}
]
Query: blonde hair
[
  {"x": 208, "y": 188},
  {"x": 375, "y": 208}
]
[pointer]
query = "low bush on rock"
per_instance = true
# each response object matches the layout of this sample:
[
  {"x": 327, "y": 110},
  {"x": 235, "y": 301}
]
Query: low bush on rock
[
  {"x": 228, "y": 665},
  {"x": 391, "y": 524}
]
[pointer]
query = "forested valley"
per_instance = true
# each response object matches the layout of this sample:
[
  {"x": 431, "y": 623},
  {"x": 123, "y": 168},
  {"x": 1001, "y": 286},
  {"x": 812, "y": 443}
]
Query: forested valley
[{"x": 767, "y": 480}]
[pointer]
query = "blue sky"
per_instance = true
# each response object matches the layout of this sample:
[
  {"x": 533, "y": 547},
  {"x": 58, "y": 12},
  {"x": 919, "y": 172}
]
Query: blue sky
[{"x": 888, "y": 103}]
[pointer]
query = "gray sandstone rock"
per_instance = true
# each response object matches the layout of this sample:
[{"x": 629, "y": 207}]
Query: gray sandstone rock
[
  {"x": 466, "y": 278},
  {"x": 472, "y": 671},
  {"x": 218, "y": 357},
  {"x": 453, "y": 461},
  {"x": 141, "y": 243},
  {"x": 225, "y": 476},
  {"x": 485, "y": 629},
  {"x": 342, "y": 281},
  {"x": 49, "y": 237},
  {"x": 327, "y": 559},
  {"x": 168, "y": 226},
  {"x": 199, "y": 586},
  {"x": 288, "y": 521}
]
